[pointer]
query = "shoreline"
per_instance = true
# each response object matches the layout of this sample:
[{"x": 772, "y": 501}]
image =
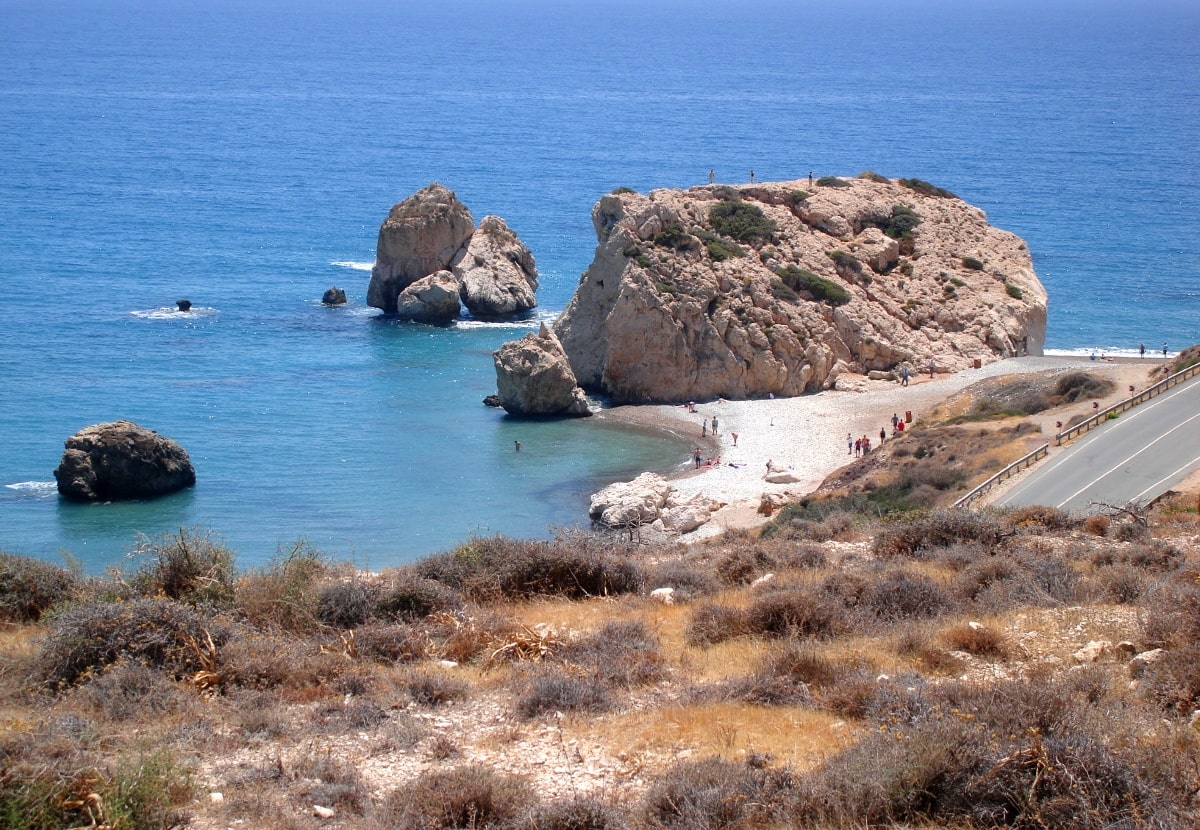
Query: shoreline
[{"x": 807, "y": 435}]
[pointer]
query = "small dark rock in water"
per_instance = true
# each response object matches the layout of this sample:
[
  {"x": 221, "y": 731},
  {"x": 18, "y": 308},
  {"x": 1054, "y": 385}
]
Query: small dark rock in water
[
  {"x": 492, "y": 400},
  {"x": 334, "y": 296},
  {"x": 121, "y": 460},
  {"x": 184, "y": 305}
]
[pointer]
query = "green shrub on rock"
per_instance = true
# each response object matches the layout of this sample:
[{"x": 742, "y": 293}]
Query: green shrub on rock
[
  {"x": 821, "y": 289},
  {"x": 741, "y": 221}
]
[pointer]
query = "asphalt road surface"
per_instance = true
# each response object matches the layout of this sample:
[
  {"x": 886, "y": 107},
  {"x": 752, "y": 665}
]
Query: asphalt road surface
[{"x": 1135, "y": 458}]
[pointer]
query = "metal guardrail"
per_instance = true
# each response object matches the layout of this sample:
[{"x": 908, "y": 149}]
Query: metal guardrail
[
  {"x": 1007, "y": 473},
  {"x": 1119, "y": 407}
]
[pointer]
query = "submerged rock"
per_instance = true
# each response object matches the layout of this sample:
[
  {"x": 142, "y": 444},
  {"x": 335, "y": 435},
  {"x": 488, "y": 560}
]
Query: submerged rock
[
  {"x": 121, "y": 460},
  {"x": 334, "y": 296}
]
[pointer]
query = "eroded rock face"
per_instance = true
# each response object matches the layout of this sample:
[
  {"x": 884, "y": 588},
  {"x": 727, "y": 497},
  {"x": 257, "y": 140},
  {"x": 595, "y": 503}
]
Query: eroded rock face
[
  {"x": 121, "y": 460},
  {"x": 496, "y": 271},
  {"x": 420, "y": 236},
  {"x": 650, "y": 500},
  {"x": 534, "y": 377},
  {"x": 871, "y": 276},
  {"x": 432, "y": 299},
  {"x": 432, "y": 233}
]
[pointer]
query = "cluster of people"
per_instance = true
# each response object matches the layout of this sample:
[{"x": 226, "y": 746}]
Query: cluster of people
[{"x": 858, "y": 446}]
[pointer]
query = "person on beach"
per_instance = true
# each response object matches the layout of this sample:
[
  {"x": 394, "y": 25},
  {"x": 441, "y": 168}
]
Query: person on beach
[
  {"x": 699, "y": 458},
  {"x": 714, "y": 425},
  {"x": 734, "y": 434},
  {"x": 904, "y": 376},
  {"x": 857, "y": 447},
  {"x": 900, "y": 427},
  {"x": 866, "y": 444},
  {"x": 931, "y": 368},
  {"x": 895, "y": 420},
  {"x": 1142, "y": 350},
  {"x": 882, "y": 435},
  {"x": 849, "y": 444},
  {"x": 1164, "y": 349},
  {"x": 703, "y": 427}
]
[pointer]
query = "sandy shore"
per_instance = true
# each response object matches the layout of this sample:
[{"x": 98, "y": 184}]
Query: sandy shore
[{"x": 808, "y": 435}]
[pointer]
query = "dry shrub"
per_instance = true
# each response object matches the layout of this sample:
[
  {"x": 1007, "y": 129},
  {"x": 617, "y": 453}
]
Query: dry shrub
[
  {"x": 284, "y": 595},
  {"x": 940, "y": 529},
  {"x": 254, "y": 660},
  {"x": 1039, "y": 516},
  {"x": 621, "y": 654},
  {"x": 499, "y": 568},
  {"x": 1021, "y": 754},
  {"x": 980, "y": 640},
  {"x": 405, "y": 597},
  {"x": 795, "y": 611},
  {"x": 161, "y": 633},
  {"x": 346, "y": 604},
  {"x": 330, "y": 782},
  {"x": 347, "y": 714},
  {"x": 580, "y": 813},
  {"x": 1172, "y": 614},
  {"x": 1173, "y": 680},
  {"x": 1121, "y": 583},
  {"x": 1097, "y": 525},
  {"x": 689, "y": 581},
  {"x": 711, "y": 623},
  {"x": 553, "y": 690},
  {"x": 469, "y": 796},
  {"x": 130, "y": 690},
  {"x": 898, "y": 594},
  {"x": 711, "y": 793},
  {"x": 191, "y": 566},
  {"x": 796, "y": 674},
  {"x": 392, "y": 643},
  {"x": 431, "y": 689},
  {"x": 30, "y": 587}
]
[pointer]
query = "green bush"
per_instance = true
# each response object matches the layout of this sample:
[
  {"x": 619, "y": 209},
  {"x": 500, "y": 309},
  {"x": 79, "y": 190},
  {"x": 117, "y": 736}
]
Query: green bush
[
  {"x": 673, "y": 236},
  {"x": 926, "y": 189},
  {"x": 719, "y": 248},
  {"x": 1013, "y": 291},
  {"x": 622, "y": 190},
  {"x": 30, "y": 587},
  {"x": 782, "y": 291},
  {"x": 741, "y": 221},
  {"x": 901, "y": 223},
  {"x": 832, "y": 181},
  {"x": 972, "y": 263},
  {"x": 798, "y": 196},
  {"x": 821, "y": 289},
  {"x": 845, "y": 261},
  {"x": 872, "y": 176}
]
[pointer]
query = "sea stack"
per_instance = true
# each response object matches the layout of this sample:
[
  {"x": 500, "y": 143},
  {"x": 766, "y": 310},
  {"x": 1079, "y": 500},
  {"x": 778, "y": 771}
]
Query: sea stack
[
  {"x": 780, "y": 288},
  {"x": 430, "y": 256},
  {"x": 121, "y": 460}
]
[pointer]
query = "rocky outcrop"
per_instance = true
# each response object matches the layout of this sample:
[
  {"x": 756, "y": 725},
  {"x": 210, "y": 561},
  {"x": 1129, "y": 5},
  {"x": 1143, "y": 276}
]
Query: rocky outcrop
[
  {"x": 333, "y": 296},
  {"x": 767, "y": 289},
  {"x": 432, "y": 299},
  {"x": 432, "y": 234},
  {"x": 121, "y": 460},
  {"x": 649, "y": 500},
  {"x": 496, "y": 272},
  {"x": 534, "y": 377}
]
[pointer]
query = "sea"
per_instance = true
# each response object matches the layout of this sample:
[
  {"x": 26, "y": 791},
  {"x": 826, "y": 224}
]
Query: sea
[{"x": 242, "y": 154}]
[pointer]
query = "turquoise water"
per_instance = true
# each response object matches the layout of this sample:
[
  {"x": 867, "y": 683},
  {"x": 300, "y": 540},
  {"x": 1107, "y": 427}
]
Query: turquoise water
[{"x": 242, "y": 155}]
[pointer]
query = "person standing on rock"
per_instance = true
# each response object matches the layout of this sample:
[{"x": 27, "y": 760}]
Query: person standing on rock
[
  {"x": 751, "y": 177},
  {"x": 712, "y": 176}
]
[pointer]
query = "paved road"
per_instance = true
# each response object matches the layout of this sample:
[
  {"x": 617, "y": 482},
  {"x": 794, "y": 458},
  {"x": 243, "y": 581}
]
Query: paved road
[{"x": 1137, "y": 457}]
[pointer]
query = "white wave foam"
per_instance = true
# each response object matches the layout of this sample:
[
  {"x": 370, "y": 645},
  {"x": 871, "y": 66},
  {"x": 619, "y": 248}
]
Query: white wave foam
[
  {"x": 171, "y": 313},
  {"x": 1110, "y": 351},
  {"x": 357, "y": 266},
  {"x": 37, "y": 488},
  {"x": 527, "y": 324}
]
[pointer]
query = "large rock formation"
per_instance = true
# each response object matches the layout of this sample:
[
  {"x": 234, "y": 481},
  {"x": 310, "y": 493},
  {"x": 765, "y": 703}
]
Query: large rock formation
[
  {"x": 432, "y": 234},
  {"x": 650, "y": 500},
  {"x": 533, "y": 377},
  {"x": 768, "y": 289},
  {"x": 121, "y": 460}
]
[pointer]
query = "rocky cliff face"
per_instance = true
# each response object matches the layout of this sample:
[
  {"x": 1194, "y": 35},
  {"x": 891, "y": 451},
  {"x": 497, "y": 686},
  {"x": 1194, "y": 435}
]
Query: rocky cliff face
[
  {"x": 429, "y": 244},
  {"x": 779, "y": 288},
  {"x": 533, "y": 377}
]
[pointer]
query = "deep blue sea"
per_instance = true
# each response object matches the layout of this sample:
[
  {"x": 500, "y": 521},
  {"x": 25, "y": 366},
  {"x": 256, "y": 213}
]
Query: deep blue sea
[{"x": 242, "y": 154}]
